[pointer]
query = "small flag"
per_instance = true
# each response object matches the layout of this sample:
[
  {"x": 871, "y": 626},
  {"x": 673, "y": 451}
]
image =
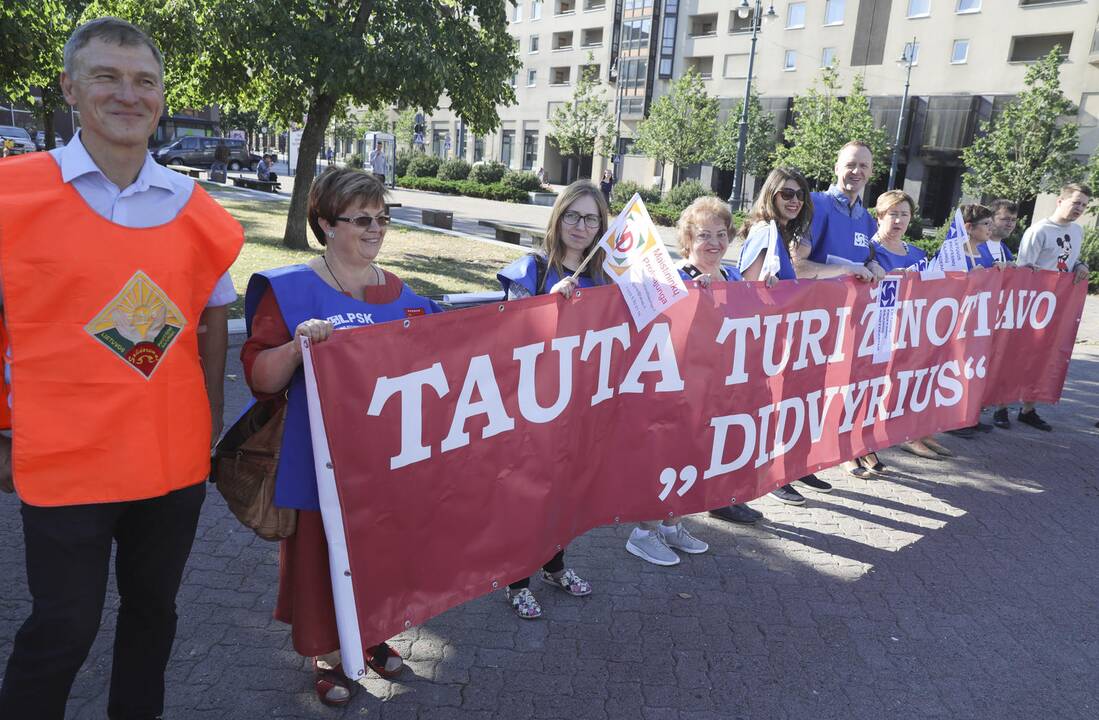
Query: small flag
[
  {"x": 886, "y": 318},
  {"x": 771, "y": 263},
  {"x": 951, "y": 255},
  {"x": 639, "y": 264}
]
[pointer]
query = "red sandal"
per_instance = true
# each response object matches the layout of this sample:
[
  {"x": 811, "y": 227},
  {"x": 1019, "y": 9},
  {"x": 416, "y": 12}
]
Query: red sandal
[
  {"x": 325, "y": 680},
  {"x": 379, "y": 656}
]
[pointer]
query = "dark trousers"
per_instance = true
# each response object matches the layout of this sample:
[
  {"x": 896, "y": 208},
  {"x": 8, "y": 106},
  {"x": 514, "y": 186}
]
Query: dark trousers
[
  {"x": 68, "y": 552},
  {"x": 556, "y": 564}
]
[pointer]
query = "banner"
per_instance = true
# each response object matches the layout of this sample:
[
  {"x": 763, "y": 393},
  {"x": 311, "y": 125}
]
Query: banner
[
  {"x": 951, "y": 255},
  {"x": 639, "y": 264},
  {"x": 460, "y": 451}
]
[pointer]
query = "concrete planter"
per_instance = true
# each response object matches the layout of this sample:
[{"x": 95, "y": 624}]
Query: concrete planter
[{"x": 543, "y": 198}]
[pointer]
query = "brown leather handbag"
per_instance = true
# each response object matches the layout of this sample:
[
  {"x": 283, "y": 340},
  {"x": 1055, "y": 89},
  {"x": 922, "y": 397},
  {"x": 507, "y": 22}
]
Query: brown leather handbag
[{"x": 244, "y": 465}]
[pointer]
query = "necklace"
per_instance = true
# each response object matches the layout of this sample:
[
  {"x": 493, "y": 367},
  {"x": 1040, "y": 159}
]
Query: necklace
[{"x": 329, "y": 267}]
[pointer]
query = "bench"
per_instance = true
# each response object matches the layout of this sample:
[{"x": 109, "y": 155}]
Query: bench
[
  {"x": 254, "y": 183},
  {"x": 437, "y": 218},
  {"x": 186, "y": 170},
  {"x": 515, "y": 234}
]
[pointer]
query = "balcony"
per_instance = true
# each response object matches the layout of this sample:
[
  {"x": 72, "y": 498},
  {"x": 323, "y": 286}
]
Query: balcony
[
  {"x": 564, "y": 7},
  {"x": 702, "y": 25},
  {"x": 591, "y": 37},
  {"x": 562, "y": 41}
]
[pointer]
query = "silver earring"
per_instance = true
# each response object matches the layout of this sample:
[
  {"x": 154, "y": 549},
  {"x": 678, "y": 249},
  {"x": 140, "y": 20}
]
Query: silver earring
[{"x": 331, "y": 234}]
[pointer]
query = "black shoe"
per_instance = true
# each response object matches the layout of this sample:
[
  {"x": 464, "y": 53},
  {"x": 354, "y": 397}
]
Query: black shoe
[
  {"x": 982, "y": 427},
  {"x": 964, "y": 432},
  {"x": 789, "y": 495},
  {"x": 1031, "y": 418},
  {"x": 816, "y": 483},
  {"x": 737, "y": 513},
  {"x": 1000, "y": 419}
]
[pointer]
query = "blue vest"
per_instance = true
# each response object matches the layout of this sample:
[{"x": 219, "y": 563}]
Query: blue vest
[
  {"x": 984, "y": 256},
  {"x": 890, "y": 261},
  {"x": 302, "y": 295},
  {"x": 524, "y": 272},
  {"x": 840, "y": 231},
  {"x": 785, "y": 264},
  {"x": 728, "y": 272}
]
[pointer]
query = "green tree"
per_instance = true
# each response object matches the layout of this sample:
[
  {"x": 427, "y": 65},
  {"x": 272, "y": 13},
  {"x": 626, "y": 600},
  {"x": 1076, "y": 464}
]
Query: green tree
[
  {"x": 577, "y": 126},
  {"x": 404, "y": 127},
  {"x": 1028, "y": 148},
  {"x": 759, "y": 150},
  {"x": 681, "y": 125},
  {"x": 373, "y": 120},
  {"x": 824, "y": 122},
  {"x": 334, "y": 53}
]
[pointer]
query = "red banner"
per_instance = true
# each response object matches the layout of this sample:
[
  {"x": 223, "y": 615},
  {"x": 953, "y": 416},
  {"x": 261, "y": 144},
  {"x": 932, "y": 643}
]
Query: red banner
[{"x": 469, "y": 446}]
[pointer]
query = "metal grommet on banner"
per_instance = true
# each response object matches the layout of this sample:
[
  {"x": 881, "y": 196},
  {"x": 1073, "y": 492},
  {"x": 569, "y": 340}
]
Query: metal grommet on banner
[
  {"x": 577, "y": 293},
  {"x": 615, "y": 519},
  {"x": 407, "y": 322},
  {"x": 559, "y": 548},
  {"x": 732, "y": 501},
  {"x": 495, "y": 584},
  {"x": 347, "y": 573},
  {"x": 361, "y": 673},
  {"x": 328, "y": 464},
  {"x": 671, "y": 514},
  {"x": 407, "y": 624},
  {"x": 500, "y": 307}
]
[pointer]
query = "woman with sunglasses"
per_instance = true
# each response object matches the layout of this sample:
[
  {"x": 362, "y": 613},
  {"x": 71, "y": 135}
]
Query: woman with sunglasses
[
  {"x": 577, "y": 222},
  {"x": 782, "y": 200},
  {"x": 343, "y": 287}
]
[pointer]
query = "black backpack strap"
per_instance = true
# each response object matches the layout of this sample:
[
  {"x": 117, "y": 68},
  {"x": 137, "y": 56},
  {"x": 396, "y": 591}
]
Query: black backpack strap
[{"x": 540, "y": 273}]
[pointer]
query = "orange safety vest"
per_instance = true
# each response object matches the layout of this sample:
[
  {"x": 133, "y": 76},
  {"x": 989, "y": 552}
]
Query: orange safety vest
[{"x": 108, "y": 395}]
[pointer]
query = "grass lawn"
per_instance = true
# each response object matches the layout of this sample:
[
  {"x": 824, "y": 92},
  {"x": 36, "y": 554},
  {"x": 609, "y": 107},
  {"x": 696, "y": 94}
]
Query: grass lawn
[{"x": 431, "y": 263}]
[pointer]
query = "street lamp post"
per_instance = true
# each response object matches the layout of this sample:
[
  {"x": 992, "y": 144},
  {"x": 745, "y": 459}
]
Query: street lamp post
[
  {"x": 736, "y": 198},
  {"x": 907, "y": 58}
]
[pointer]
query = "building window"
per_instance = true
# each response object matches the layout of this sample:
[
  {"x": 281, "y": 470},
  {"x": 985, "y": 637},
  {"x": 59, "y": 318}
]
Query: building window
[
  {"x": 591, "y": 71},
  {"x": 833, "y": 12},
  {"x": 514, "y": 81},
  {"x": 795, "y": 15},
  {"x": 591, "y": 37},
  {"x": 478, "y": 149},
  {"x": 1028, "y": 3},
  {"x": 960, "y": 53},
  {"x": 827, "y": 57},
  {"x": 968, "y": 6},
  {"x": 507, "y": 142},
  {"x": 564, "y": 7},
  {"x": 560, "y": 75},
  {"x": 738, "y": 24},
  {"x": 911, "y": 52},
  {"x": 702, "y": 25},
  {"x": 736, "y": 66},
  {"x": 919, "y": 8},
  {"x": 517, "y": 12},
  {"x": 1029, "y": 48},
  {"x": 704, "y": 66},
  {"x": 533, "y": 43},
  {"x": 590, "y": 5},
  {"x": 532, "y": 78},
  {"x": 536, "y": 10},
  {"x": 530, "y": 149},
  {"x": 562, "y": 41},
  {"x": 790, "y": 60}
]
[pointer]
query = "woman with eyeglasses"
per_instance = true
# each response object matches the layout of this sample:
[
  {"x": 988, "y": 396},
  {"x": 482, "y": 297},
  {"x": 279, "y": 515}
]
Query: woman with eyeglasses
[
  {"x": 782, "y": 200},
  {"x": 340, "y": 288},
  {"x": 577, "y": 222}
]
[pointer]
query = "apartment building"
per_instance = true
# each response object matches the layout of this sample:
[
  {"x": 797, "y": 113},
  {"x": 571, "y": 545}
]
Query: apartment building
[{"x": 970, "y": 59}]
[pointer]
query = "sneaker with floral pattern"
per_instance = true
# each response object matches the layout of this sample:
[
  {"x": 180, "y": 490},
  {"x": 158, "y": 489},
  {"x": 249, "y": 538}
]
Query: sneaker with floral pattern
[
  {"x": 524, "y": 603},
  {"x": 568, "y": 581}
]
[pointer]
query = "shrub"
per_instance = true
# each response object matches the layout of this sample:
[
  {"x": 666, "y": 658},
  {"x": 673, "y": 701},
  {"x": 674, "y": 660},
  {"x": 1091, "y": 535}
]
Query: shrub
[
  {"x": 625, "y": 189},
  {"x": 423, "y": 165},
  {"x": 404, "y": 157},
  {"x": 355, "y": 161},
  {"x": 685, "y": 193},
  {"x": 1089, "y": 255},
  {"x": 492, "y": 191},
  {"x": 660, "y": 213},
  {"x": 525, "y": 181},
  {"x": 487, "y": 173},
  {"x": 456, "y": 169}
]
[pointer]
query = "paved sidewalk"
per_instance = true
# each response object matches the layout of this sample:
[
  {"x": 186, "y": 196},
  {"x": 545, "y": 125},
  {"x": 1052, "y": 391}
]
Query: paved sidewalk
[{"x": 961, "y": 589}]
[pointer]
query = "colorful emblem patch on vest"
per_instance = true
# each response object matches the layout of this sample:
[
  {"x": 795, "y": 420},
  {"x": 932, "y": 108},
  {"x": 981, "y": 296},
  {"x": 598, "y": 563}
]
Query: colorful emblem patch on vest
[{"x": 139, "y": 324}]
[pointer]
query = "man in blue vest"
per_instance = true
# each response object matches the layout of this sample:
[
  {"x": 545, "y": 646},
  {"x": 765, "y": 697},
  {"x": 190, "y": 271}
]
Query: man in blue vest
[{"x": 839, "y": 237}]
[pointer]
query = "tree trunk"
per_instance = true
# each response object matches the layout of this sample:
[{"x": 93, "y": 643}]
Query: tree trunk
[{"x": 312, "y": 137}]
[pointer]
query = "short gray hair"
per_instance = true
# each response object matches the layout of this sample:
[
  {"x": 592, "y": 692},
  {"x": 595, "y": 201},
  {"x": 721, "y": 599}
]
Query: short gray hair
[{"x": 110, "y": 30}]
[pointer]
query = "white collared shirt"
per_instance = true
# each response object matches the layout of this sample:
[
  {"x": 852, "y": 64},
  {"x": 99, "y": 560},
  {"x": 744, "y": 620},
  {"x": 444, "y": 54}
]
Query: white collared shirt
[{"x": 154, "y": 198}]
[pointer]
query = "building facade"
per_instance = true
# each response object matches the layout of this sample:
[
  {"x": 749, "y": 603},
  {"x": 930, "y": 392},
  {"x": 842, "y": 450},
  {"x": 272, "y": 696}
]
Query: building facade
[{"x": 970, "y": 57}]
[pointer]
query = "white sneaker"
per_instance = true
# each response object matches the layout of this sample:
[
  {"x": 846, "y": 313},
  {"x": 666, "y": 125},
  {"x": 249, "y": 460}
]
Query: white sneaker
[
  {"x": 649, "y": 545},
  {"x": 676, "y": 536}
]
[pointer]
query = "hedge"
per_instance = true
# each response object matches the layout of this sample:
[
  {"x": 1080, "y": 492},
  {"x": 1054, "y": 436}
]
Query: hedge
[{"x": 494, "y": 191}]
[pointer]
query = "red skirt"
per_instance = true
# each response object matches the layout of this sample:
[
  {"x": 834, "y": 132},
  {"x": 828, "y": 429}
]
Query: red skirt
[{"x": 305, "y": 588}]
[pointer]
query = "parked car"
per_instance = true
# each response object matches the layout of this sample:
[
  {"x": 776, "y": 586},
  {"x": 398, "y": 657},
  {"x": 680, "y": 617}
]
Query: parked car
[
  {"x": 20, "y": 139},
  {"x": 40, "y": 140},
  {"x": 195, "y": 151}
]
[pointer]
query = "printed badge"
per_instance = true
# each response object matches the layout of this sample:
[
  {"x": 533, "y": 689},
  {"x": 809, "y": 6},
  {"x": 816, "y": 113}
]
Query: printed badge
[{"x": 139, "y": 324}]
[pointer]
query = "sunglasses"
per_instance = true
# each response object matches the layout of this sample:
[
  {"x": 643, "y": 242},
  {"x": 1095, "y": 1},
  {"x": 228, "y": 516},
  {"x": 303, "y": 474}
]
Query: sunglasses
[
  {"x": 788, "y": 194},
  {"x": 365, "y": 221}
]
